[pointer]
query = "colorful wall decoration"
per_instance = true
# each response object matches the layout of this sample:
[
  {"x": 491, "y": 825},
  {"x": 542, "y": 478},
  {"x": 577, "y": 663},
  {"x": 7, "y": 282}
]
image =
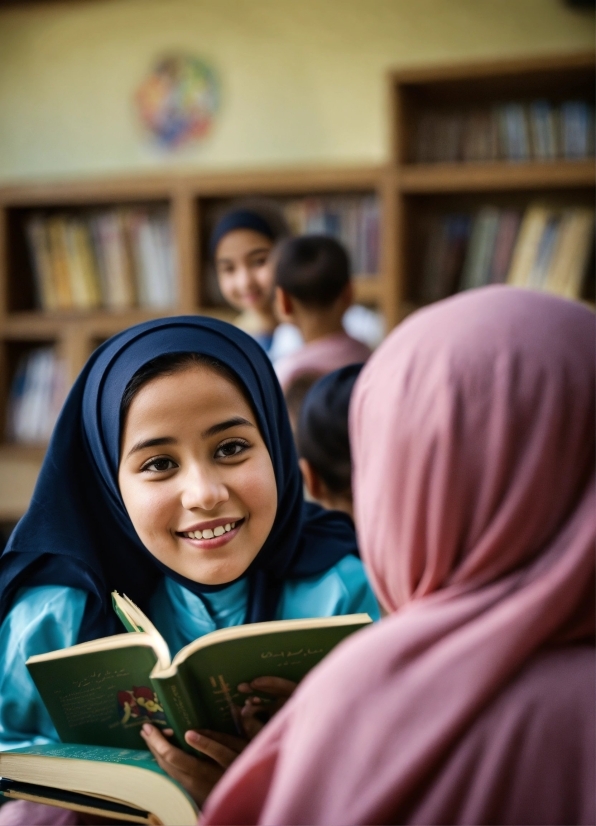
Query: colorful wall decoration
[{"x": 178, "y": 100}]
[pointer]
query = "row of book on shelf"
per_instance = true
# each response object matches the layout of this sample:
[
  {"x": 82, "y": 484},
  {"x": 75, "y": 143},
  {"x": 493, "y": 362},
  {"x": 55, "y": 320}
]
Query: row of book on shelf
[
  {"x": 543, "y": 248},
  {"x": 352, "y": 220},
  {"x": 37, "y": 393},
  {"x": 124, "y": 257},
  {"x": 114, "y": 259},
  {"x": 539, "y": 130}
]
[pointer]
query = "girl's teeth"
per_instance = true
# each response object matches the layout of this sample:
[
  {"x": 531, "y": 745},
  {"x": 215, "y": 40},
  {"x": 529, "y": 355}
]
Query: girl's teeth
[{"x": 209, "y": 534}]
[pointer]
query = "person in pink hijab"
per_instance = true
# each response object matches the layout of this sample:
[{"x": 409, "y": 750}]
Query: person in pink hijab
[{"x": 473, "y": 443}]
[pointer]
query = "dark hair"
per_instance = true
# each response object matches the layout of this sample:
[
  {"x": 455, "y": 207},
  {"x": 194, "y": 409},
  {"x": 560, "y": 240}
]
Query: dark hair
[
  {"x": 322, "y": 433},
  {"x": 314, "y": 269},
  {"x": 296, "y": 393},
  {"x": 167, "y": 365}
]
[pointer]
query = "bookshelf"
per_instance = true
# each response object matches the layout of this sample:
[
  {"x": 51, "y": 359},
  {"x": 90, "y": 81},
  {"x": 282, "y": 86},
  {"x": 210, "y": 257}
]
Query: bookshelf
[
  {"x": 410, "y": 189},
  {"x": 190, "y": 203},
  {"x": 424, "y": 181}
]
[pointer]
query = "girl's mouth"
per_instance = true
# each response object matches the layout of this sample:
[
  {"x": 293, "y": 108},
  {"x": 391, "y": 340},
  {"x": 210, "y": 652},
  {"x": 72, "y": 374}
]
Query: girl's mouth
[{"x": 213, "y": 537}]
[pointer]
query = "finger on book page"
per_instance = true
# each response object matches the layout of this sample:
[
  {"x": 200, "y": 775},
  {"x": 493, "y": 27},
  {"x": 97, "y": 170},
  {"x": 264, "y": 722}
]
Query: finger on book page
[
  {"x": 198, "y": 777},
  {"x": 223, "y": 754},
  {"x": 277, "y": 686}
]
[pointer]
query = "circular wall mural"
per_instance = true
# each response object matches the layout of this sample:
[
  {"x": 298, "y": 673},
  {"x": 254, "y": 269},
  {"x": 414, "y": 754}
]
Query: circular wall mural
[{"x": 178, "y": 100}]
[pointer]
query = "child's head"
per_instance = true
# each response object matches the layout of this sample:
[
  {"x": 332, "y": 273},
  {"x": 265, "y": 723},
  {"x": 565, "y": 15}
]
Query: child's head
[
  {"x": 323, "y": 441},
  {"x": 312, "y": 273},
  {"x": 146, "y": 450},
  {"x": 241, "y": 245},
  {"x": 195, "y": 475}
]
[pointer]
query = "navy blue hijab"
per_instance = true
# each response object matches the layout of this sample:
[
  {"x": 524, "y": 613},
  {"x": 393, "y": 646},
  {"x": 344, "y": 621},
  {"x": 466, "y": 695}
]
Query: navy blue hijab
[{"x": 77, "y": 531}]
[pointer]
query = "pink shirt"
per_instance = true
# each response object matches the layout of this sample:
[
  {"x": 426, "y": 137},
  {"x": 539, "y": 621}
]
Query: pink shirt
[{"x": 320, "y": 357}]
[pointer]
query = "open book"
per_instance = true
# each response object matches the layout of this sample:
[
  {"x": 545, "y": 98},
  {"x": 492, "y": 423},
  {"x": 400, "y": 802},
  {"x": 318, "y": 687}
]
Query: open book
[
  {"x": 123, "y": 784},
  {"x": 101, "y": 692}
]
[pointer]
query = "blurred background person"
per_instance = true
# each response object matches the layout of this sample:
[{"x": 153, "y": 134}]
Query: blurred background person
[
  {"x": 323, "y": 441},
  {"x": 313, "y": 291}
]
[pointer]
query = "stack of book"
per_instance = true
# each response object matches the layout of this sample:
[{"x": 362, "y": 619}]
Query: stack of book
[
  {"x": 352, "y": 220},
  {"x": 38, "y": 390},
  {"x": 545, "y": 248},
  {"x": 115, "y": 259},
  {"x": 538, "y": 130}
]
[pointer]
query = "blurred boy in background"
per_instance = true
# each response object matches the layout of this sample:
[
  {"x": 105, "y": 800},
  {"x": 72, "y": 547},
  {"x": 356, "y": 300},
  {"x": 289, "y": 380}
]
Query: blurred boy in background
[{"x": 313, "y": 291}]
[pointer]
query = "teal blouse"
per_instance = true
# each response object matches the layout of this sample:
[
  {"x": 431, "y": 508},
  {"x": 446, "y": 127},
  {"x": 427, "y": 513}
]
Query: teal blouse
[{"x": 48, "y": 617}]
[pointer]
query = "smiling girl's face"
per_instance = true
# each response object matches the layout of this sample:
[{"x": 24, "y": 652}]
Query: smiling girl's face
[
  {"x": 195, "y": 475},
  {"x": 244, "y": 270}
]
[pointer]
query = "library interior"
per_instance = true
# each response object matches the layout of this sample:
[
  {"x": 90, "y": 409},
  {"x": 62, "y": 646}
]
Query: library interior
[{"x": 447, "y": 145}]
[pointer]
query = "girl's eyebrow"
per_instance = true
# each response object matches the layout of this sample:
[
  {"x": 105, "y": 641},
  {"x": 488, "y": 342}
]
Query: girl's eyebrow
[
  {"x": 162, "y": 440},
  {"x": 259, "y": 251},
  {"x": 235, "y": 421}
]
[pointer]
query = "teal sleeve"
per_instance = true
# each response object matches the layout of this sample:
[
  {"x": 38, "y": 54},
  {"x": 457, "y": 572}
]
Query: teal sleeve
[
  {"x": 41, "y": 619},
  {"x": 343, "y": 589}
]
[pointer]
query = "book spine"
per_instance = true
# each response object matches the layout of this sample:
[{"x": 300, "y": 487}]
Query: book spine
[{"x": 180, "y": 709}]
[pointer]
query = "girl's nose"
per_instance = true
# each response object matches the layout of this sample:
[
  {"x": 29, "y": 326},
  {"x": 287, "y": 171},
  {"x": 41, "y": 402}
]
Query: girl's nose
[
  {"x": 245, "y": 277},
  {"x": 203, "y": 490}
]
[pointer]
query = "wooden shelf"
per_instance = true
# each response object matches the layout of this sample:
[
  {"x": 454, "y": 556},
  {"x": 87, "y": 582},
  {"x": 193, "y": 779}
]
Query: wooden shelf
[
  {"x": 476, "y": 177},
  {"x": 409, "y": 194},
  {"x": 418, "y": 195},
  {"x": 367, "y": 289},
  {"x": 19, "y": 471}
]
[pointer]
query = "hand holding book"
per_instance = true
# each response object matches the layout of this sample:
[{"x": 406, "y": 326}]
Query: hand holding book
[
  {"x": 211, "y": 698},
  {"x": 199, "y": 777}
]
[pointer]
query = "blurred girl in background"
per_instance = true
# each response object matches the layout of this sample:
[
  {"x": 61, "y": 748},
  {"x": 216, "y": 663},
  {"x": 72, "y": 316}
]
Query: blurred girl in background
[{"x": 241, "y": 246}]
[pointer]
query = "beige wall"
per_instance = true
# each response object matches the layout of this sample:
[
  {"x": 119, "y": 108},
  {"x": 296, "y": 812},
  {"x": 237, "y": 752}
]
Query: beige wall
[{"x": 303, "y": 80}]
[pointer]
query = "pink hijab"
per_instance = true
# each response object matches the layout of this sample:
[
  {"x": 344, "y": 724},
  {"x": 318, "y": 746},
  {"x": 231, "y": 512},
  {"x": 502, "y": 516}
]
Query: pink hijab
[{"x": 473, "y": 444}]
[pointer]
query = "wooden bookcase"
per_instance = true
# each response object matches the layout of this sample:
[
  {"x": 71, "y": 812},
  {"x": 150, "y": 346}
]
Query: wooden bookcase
[
  {"x": 415, "y": 191},
  {"x": 189, "y": 201},
  {"x": 408, "y": 191}
]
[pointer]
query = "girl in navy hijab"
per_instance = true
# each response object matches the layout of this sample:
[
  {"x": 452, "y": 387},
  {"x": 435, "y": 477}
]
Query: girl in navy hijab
[
  {"x": 241, "y": 247},
  {"x": 171, "y": 477}
]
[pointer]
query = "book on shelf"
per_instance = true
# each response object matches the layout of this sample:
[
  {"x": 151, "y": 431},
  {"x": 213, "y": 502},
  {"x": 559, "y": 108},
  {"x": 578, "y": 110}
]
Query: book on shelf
[
  {"x": 446, "y": 248},
  {"x": 126, "y": 785},
  {"x": 509, "y": 221},
  {"x": 553, "y": 250},
  {"x": 36, "y": 396},
  {"x": 113, "y": 258},
  {"x": 512, "y": 131},
  {"x": 101, "y": 692},
  {"x": 479, "y": 255},
  {"x": 545, "y": 249},
  {"x": 577, "y": 129},
  {"x": 544, "y": 130},
  {"x": 571, "y": 256}
]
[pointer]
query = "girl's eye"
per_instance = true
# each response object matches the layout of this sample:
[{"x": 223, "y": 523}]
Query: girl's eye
[
  {"x": 231, "y": 448},
  {"x": 159, "y": 465}
]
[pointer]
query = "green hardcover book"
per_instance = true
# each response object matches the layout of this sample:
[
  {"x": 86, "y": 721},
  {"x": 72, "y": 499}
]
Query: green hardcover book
[
  {"x": 124, "y": 784},
  {"x": 102, "y": 692}
]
